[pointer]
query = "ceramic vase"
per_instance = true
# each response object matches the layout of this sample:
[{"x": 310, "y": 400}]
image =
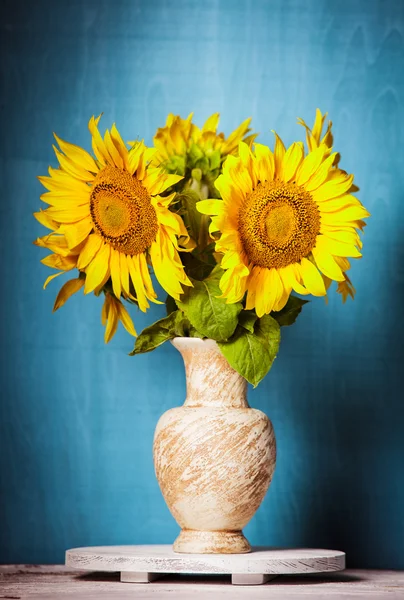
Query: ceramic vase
[{"x": 214, "y": 456}]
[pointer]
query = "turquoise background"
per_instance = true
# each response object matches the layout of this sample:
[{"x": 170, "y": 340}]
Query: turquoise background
[{"x": 77, "y": 417}]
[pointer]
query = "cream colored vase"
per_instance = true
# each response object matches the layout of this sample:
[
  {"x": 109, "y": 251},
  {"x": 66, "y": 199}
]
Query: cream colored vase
[{"x": 214, "y": 456}]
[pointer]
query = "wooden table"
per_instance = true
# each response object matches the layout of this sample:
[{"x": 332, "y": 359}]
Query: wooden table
[{"x": 56, "y": 581}]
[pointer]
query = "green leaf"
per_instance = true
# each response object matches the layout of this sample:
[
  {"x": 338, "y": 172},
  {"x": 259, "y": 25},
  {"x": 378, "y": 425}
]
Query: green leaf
[
  {"x": 268, "y": 331},
  {"x": 288, "y": 314},
  {"x": 194, "y": 267},
  {"x": 247, "y": 319},
  {"x": 170, "y": 305},
  {"x": 252, "y": 354},
  {"x": 175, "y": 325},
  {"x": 209, "y": 314},
  {"x": 191, "y": 216}
]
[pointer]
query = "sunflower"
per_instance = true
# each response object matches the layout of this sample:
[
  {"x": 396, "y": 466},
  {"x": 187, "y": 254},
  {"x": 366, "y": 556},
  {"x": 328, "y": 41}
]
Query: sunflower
[
  {"x": 108, "y": 220},
  {"x": 180, "y": 144},
  {"x": 287, "y": 221}
]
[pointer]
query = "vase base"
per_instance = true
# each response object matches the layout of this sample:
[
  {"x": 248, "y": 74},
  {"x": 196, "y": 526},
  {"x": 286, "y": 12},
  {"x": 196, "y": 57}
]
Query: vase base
[{"x": 191, "y": 541}]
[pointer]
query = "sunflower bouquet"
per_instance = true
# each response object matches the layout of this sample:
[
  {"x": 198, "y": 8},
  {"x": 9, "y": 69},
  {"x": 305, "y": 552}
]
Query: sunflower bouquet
[{"x": 228, "y": 227}]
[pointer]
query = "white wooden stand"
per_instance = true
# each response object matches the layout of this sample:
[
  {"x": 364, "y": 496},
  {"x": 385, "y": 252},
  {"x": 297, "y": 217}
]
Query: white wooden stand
[{"x": 144, "y": 564}]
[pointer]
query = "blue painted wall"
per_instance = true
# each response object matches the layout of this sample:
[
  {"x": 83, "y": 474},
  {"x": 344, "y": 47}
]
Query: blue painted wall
[{"x": 77, "y": 417}]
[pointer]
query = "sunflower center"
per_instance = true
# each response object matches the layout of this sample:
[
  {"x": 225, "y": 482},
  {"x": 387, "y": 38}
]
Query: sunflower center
[
  {"x": 278, "y": 224},
  {"x": 122, "y": 211}
]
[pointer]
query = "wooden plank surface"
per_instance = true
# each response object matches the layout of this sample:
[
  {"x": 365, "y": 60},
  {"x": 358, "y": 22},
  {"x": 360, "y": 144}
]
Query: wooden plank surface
[{"x": 55, "y": 581}]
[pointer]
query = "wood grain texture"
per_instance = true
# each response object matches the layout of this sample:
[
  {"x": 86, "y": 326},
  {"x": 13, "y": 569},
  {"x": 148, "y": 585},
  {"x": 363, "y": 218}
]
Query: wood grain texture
[
  {"x": 214, "y": 457},
  {"x": 54, "y": 582},
  {"x": 163, "y": 559}
]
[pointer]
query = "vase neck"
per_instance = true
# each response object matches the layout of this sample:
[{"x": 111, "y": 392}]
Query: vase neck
[{"x": 211, "y": 381}]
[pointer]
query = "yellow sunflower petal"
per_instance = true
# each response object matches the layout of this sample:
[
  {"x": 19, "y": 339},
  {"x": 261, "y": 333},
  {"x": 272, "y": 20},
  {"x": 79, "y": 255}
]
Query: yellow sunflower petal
[
  {"x": 233, "y": 283},
  {"x": 211, "y": 123},
  {"x": 157, "y": 182},
  {"x": 124, "y": 273},
  {"x": 333, "y": 189},
  {"x": 265, "y": 162},
  {"x": 210, "y": 207},
  {"x": 73, "y": 169},
  {"x": 135, "y": 155},
  {"x": 90, "y": 249},
  {"x": 345, "y": 288},
  {"x": 338, "y": 248},
  {"x": 66, "y": 291},
  {"x": 60, "y": 181},
  {"x": 54, "y": 242},
  {"x": 78, "y": 155},
  {"x": 114, "y": 264},
  {"x": 63, "y": 263},
  {"x": 312, "y": 278},
  {"x": 318, "y": 125},
  {"x": 292, "y": 278},
  {"x": 98, "y": 143},
  {"x": 279, "y": 154},
  {"x": 64, "y": 200},
  {"x": 136, "y": 277},
  {"x": 113, "y": 151},
  {"x": 327, "y": 264},
  {"x": 105, "y": 309},
  {"x": 44, "y": 219},
  {"x": 230, "y": 145},
  {"x": 50, "y": 278},
  {"x": 339, "y": 204},
  {"x": 125, "y": 319},
  {"x": 319, "y": 176},
  {"x": 264, "y": 296},
  {"x": 68, "y": 215},
  {"x": 249, "y": 161},
  {"x": 77, "y": 233},
  {"x": 292, "y": 160},
  {"x": 98, "y": 269},
  {"x": 164, "y": 270},
  {"x": 238, "y": 174},
  {"x": 112, "y": 321},
  {"x": 120, "y": 146},
  {"x": 351, "y": 213},
  {"x": 310, "y": 165},
  {"x": 150, "y": 293}
]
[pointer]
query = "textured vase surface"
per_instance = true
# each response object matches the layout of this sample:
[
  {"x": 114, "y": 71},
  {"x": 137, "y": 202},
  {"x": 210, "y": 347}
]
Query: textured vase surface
[{"x": 214, "y": 456}]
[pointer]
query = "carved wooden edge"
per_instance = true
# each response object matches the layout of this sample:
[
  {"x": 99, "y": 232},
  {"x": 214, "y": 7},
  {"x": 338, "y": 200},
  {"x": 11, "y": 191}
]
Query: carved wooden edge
[{"x": 108, "y": 560}]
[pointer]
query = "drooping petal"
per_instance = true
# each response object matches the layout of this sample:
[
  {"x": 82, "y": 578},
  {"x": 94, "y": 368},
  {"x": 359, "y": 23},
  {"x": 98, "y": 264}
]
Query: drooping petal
[
  {"x": 125, "y": 319},
  {"x": 136, "y": 277},
  {"x": 112, "y": 321},
  {"x": 66, "y": 291}
]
